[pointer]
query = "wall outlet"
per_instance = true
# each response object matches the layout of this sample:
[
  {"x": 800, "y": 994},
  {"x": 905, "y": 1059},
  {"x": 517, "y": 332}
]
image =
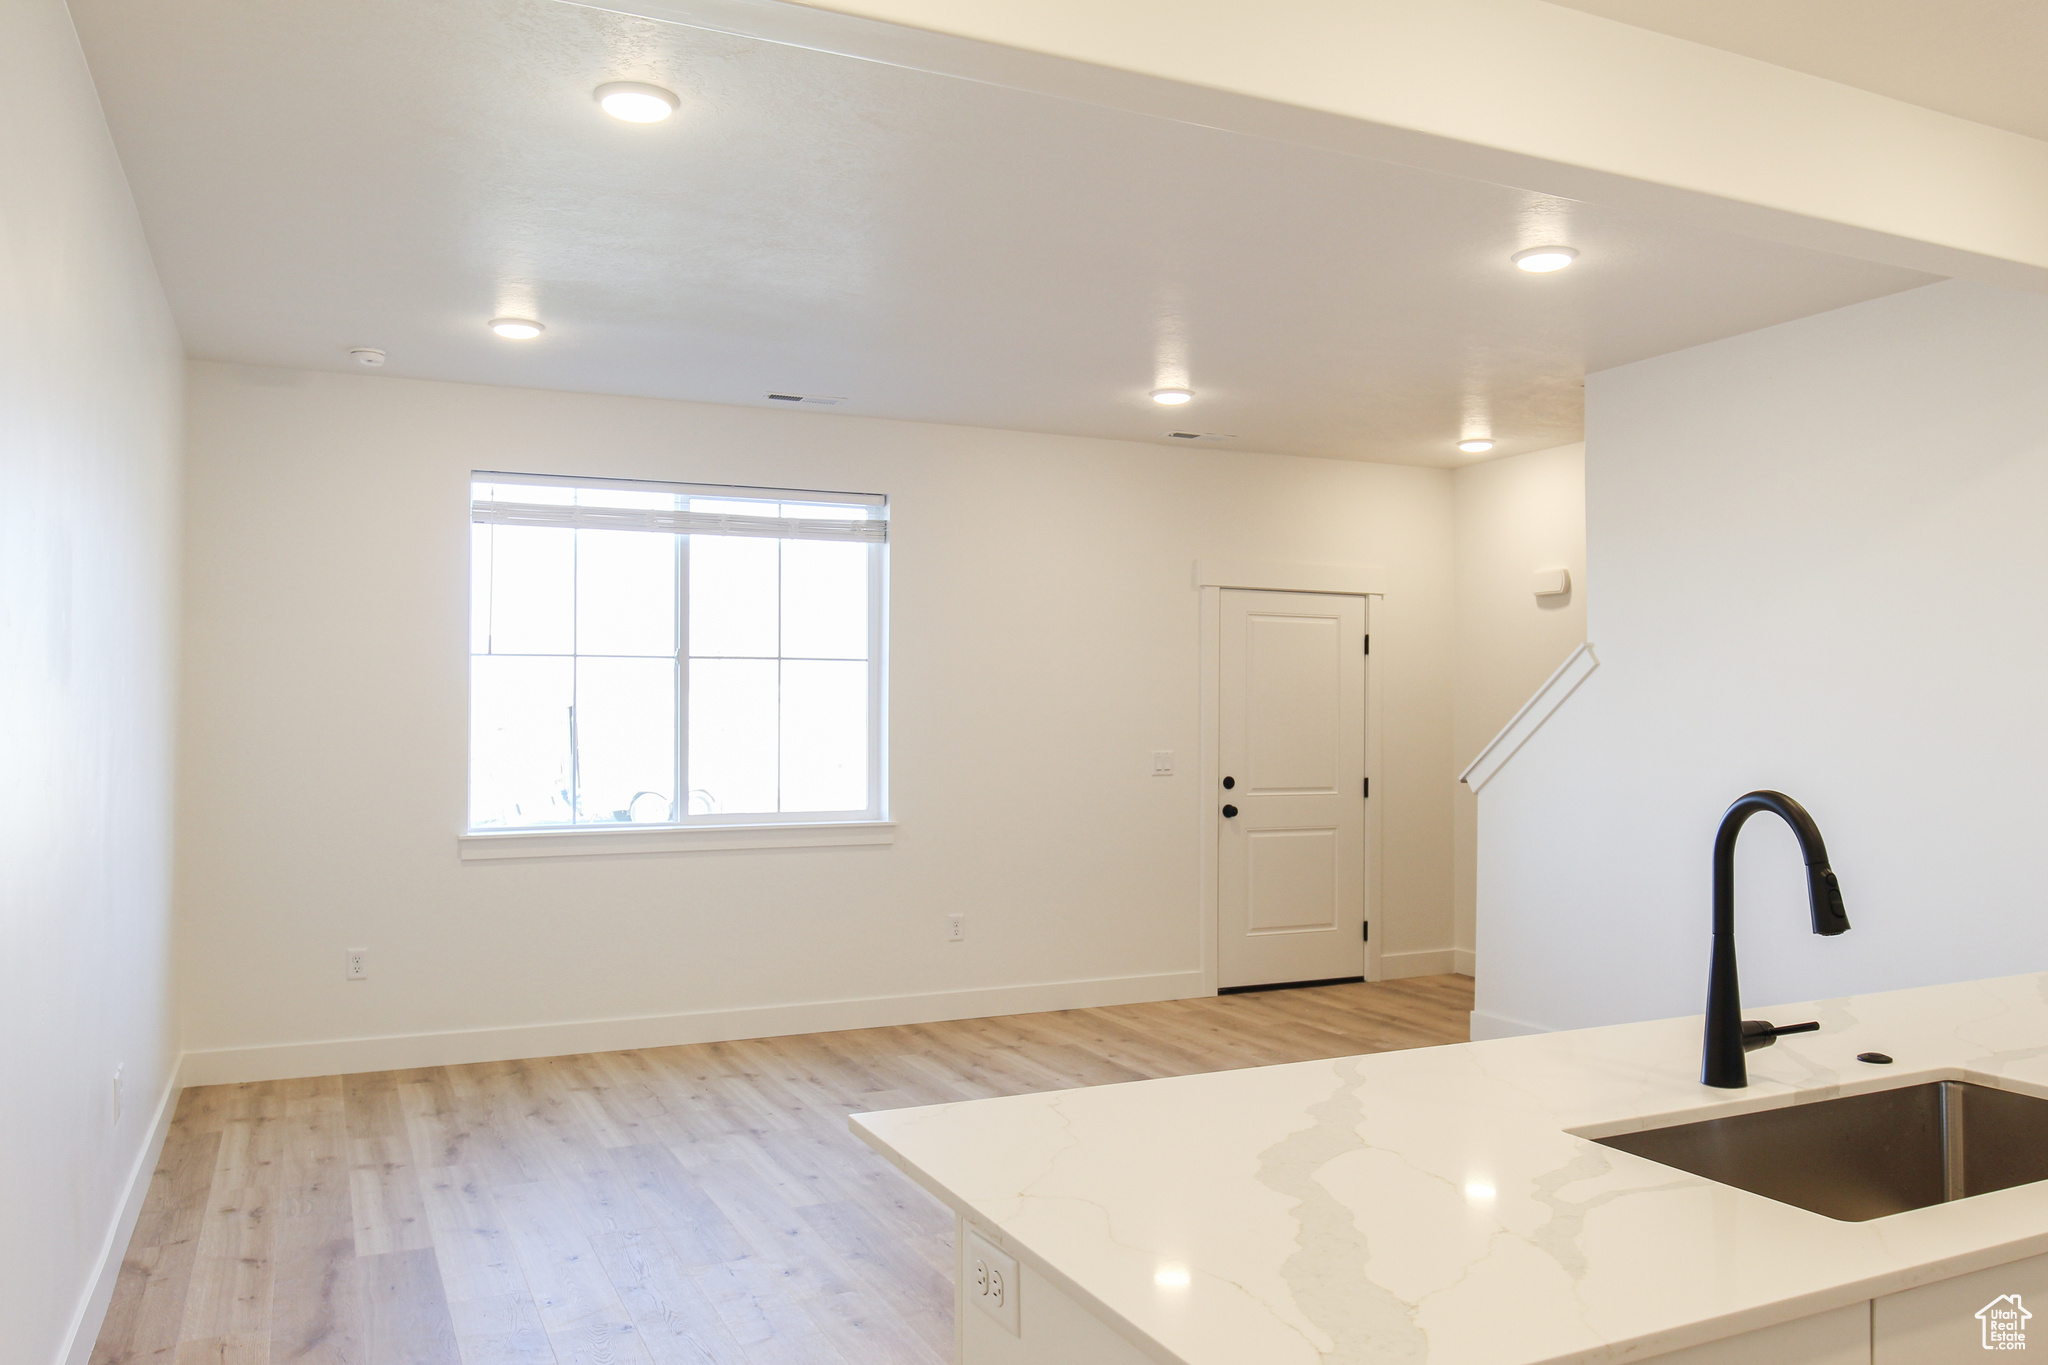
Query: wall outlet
[
  {"x": 990, "y": 1279},
  {"x": 356, "y": 965},
  {"x": 956, "y": 928},
  {"x": 1162, "y": 763}
]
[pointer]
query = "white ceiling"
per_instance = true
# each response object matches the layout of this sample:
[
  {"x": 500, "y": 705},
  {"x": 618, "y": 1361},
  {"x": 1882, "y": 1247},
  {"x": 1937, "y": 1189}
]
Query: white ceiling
[
  {"x": 327, "y": 174},
  {"x": 1977, "y": 59}
]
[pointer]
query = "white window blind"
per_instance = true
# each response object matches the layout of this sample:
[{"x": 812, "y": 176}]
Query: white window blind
[
  {"x": 677, "y": 509},
  {"x": 675, "y": 521}
]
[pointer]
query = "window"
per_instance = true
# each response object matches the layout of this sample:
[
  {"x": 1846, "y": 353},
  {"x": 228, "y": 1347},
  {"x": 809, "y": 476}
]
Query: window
[{"x": 670, "y": 654}]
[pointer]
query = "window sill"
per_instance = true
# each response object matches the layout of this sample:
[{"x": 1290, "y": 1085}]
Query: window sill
[{"x": 603, "y": 843}]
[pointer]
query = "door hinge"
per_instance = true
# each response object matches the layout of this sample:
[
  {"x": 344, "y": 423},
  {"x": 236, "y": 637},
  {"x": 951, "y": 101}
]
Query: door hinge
[
  {"x": 1368, "y": 644},
  {"x": 1367, "y": 793},
  {"x": 1365, "y": 931}
]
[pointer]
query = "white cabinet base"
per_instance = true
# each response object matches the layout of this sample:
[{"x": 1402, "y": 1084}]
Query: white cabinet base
[{"x": 1937, "y": 1324}]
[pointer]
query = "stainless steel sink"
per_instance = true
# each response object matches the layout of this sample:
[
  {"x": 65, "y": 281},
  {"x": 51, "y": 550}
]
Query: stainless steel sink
[{"x": 1865, "y": 1156}]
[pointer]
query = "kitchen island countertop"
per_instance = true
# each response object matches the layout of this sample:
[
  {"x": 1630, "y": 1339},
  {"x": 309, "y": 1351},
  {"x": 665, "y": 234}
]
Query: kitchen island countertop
[{"x": 1445, "y": 1205}]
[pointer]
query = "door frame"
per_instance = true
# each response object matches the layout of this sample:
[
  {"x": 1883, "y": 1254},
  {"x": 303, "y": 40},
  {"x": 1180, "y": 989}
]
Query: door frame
[{"x": 1212, "y": 576}]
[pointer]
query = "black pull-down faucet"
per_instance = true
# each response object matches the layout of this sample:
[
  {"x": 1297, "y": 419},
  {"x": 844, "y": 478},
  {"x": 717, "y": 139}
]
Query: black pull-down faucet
[{"x": 1729, "y": 1035}]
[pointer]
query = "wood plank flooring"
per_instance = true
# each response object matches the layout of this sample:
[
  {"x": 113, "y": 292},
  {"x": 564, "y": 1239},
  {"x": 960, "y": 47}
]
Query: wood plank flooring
[{"x": 699, "y": 1205}]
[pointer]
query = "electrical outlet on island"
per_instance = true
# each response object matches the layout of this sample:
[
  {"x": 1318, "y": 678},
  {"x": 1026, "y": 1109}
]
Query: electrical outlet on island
[{"x": 991, "y": 1280}]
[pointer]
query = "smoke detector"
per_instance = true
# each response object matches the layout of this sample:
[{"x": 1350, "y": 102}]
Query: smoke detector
[{"x": 368, "y": 356}]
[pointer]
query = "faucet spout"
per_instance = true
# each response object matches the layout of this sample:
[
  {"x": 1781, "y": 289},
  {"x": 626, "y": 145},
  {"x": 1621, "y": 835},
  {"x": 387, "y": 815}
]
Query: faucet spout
[{"x": 1728, "y": 1036}]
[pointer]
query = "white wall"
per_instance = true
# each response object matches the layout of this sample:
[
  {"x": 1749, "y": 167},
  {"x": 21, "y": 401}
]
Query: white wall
[
  {"x": 89, "y": 393},
  {"x": 1045, "y": 636},
  {"x": 1514, "y": 516},
  {"x": 1821, "y": 570}
]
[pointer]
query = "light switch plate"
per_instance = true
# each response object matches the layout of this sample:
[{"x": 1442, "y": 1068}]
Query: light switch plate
[
  {"x": 1162, "y": 763},
  {"x": 989, "y": 1276}
]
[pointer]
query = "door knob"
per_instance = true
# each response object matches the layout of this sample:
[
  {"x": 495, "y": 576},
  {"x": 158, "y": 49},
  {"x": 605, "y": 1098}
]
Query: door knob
[
  {"x": 1229, "y": 782},
  {"x": 1230, "y": 812}
]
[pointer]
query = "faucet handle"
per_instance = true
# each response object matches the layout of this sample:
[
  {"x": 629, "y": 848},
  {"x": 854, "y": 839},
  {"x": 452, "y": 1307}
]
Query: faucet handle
[
  {"x": 1824, "y": 895},
  {"x": 1758, "y": 1033}
]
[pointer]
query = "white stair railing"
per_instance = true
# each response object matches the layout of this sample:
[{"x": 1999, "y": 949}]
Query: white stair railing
[{"x": 1530, "y": 718}]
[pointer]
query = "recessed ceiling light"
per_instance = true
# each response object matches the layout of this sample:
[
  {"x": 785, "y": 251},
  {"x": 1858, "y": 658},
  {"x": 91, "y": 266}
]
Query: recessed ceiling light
[
  {"x": 1173, "y": 397},
  {"x": 517, "y": 329},
  {"x": 636, "y": 101},
  {"x": 1541, "y": 260},
  {"x": 1475, "y": 447}
]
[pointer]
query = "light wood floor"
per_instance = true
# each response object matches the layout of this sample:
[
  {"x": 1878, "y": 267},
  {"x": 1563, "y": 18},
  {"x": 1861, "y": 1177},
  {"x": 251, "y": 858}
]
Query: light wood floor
[{"x": 699, "y": 1205}]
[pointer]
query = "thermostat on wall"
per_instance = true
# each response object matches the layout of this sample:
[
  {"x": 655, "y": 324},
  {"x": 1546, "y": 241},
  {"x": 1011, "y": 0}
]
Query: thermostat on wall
[{"x": 1553, "y": 582}]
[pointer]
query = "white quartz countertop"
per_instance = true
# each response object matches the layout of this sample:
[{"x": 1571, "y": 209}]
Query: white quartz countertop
[{"x": 1435, "y": 1205}]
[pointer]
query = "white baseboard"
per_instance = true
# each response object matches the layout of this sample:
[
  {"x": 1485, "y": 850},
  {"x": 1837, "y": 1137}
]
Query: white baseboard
[
  {"x": 92, "y": 1309},
  {"x": 341, "y": 1056},
  {"x": 1486, "y": 1026},
  {"x": 1425, "y": 962},
  {"x": 1464, "y": 964}
]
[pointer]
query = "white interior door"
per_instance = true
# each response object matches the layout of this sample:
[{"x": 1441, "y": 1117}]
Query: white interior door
[{"x": 1291, "y": 838}]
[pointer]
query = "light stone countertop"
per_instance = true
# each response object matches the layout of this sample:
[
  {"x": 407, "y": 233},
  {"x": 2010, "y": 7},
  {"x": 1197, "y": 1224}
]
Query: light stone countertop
[{"x": 1431, "y": 1206}]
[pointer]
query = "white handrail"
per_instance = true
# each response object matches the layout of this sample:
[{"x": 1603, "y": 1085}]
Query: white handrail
[{"x": 1530, "y": 718}]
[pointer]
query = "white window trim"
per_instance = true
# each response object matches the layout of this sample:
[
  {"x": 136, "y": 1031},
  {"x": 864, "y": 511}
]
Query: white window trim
[
  {"x": 588, "y": 841},
  {"x": 801, "y": 829}
]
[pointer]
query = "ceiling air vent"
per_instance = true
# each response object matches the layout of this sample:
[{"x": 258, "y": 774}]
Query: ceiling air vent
[
  {"x": 809, "y": 400},
  {"x": 1201, "y": 436}
]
